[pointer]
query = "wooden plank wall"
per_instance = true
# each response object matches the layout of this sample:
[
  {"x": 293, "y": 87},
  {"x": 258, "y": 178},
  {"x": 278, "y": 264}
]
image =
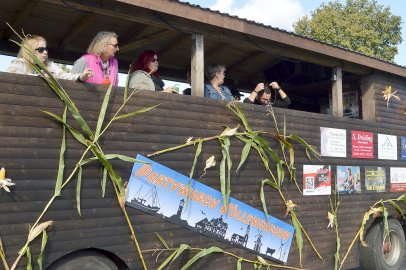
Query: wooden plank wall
[{"x": 29, "y": 149}]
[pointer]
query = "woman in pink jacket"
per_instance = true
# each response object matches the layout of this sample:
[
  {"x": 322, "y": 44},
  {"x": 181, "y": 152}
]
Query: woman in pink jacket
[{"x": 100, "y": 59}]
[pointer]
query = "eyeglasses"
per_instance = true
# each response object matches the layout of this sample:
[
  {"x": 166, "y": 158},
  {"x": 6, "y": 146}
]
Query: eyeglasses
[
  {"x": 42, "y": 49},
  {"x": 154, "y": 60},
  {"x": 114, "y": 45}
]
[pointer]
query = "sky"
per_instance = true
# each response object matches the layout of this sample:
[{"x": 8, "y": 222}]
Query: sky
[
  {"x": 282, "y": 14},
  {"x": 276, "y": 13}
]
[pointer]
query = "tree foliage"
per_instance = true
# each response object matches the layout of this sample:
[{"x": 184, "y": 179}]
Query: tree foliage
[{"x": 360, "y": 25}]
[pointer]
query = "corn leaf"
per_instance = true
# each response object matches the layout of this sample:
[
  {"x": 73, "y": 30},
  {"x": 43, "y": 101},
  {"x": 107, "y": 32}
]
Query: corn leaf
[
  {"x": 397, "y": 207},
  {"x": 43, "y": 244},
  {"x": 200, "y": 254},
  {"x": 298, "y": 235},
  {"x": 76, "y": 134},
  {"x": 61, "y": 167},
  {"x": 125, "y": 95},
  {"x": 234, "y": 108},
  {"x": 239, "y": 264},
  {"x": 103, "y": 181},
  {"x": 134, "y": 113},
  {"x": 168, "y": 259},
  {"x": 361, "y": 233},
  {"x": 309, "y": 148},
  {"x": 103, "y": 110},
  {"x": 244, "y": 154},
  {"x": 28, "y": 254},
  {"x": 281, "y": 172},
  {"x": 385, "y": 221},
  {"x": 78, "y": 188},
  {"x": 162, "y": 241},
  {"x": 3, "y": 256},
  {"x": 197, "y": 154},
  {"x": 262, "y": 193},
  {"x": 113, "y": 156}
]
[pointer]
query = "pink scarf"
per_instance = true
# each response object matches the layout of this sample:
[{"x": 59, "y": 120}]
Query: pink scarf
[{"x": 94, "y": 62}]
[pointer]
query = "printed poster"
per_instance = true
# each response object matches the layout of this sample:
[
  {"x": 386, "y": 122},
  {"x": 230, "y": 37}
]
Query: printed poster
[
  {"x": 162, "y": 192},
  {"x": 397, "y": 179},
  {"x": 348, "y": 179},
  {"x": 403, "y": 147},
  {"x": 362, "y": 144},
  {"x": 387, "y": 147},
  {"x": 333, "y": 142},
  {"x": 316, "y": 180},
  {"x": 375, "y": 179}
]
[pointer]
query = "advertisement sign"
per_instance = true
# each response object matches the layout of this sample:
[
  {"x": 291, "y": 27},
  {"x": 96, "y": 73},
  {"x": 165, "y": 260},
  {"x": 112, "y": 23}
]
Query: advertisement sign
[
  {"x": 403, "y": 147},
  {"x": 348, "y": 179},
  {"x": 397, "y": 179},
  {"x": 333, "y": 142},
  {"x": 162, "y": 192},
  {"x": 316, "y": 180},
  {"x": 375, "y": 179},
  {"x": 387, "y": 147},
  {"x": 362, "y": 144}
]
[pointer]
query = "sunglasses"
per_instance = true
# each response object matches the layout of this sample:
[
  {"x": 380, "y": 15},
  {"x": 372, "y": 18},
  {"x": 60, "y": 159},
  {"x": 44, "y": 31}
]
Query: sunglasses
[
  {"x": 42, "y": 49},
  {"x": 154, "y": 60}
]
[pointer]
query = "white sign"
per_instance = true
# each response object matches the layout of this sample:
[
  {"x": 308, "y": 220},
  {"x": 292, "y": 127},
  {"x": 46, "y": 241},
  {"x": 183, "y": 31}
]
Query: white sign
[
  {"x": 397, "y": 179},
  {"x": 333, "y": 142},
  {"x": 387, "y": 147}
]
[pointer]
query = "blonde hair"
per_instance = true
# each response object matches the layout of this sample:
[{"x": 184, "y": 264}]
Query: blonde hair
[
  {"x": 100, "y": 41},
  {"x": 30, "y": 42}
]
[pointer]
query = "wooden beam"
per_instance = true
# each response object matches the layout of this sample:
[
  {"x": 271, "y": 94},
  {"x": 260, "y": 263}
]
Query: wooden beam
[
  {"x": 82, "y": 24},
  {"x": 28, "y": 7},
  {"x": 161, "y": 34},
  {"x": 337, "y": 92},
  {"x": 172, "y": 44},
  {"x": 244, "y": 60},
  {"x": 197, "y": 65}
]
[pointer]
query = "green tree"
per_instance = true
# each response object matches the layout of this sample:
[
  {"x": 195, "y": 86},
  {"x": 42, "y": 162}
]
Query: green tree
[{"x": 360, "y": 25}]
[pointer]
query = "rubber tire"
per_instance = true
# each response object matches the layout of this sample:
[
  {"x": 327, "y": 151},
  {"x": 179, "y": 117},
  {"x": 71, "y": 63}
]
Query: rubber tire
[
  {"x": 372, "y": 256},
  {"x": 84, "y": 260}
]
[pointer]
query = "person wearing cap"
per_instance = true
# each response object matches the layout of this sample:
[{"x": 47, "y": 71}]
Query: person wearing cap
[{"x": 262, "y": 95}]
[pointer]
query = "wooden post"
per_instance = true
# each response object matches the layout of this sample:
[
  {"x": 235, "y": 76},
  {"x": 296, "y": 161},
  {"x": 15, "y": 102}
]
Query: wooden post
[
  {"x": 197, "y": 66},
  {"x": 337, "y": 92},
  {"x": 368, "y": 98}
]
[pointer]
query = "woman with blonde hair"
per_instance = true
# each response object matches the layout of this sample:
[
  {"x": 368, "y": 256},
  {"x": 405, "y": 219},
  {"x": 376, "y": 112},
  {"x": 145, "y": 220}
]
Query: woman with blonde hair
[
  {"x": 100, "y": 59},
  {"x": 37, "y": 45}
]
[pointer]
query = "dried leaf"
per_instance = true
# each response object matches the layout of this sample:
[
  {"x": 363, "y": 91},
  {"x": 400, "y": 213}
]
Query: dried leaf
[
  {"x": 330, "y": 218},
  {"x": 2, "y": 173},
  {"x": 189, "y": 140},
  {"x": 37, "y": 230},
  {"x": 210, "y": 162},
  {"x": 262, "y": 260},
  {"x": 230, "y": 131},
  {"x": 5, "y": 183},
  {"x": 289, "y": 207}
]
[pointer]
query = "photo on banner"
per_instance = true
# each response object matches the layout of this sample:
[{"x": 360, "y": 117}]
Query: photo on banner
[
  {"x": 397, "y": 179},
  {"x": 333, "y": 142},
  {"x": 163, "y": 192},
  {"x": 375, "y": 179},
  {"x": 387, "y": 147},
  {"x": 362, "y": 144},
  {"x": 348, "y": 179},
  {"x": 403, "y": 147},
  {"x": 316, "y": 180}
]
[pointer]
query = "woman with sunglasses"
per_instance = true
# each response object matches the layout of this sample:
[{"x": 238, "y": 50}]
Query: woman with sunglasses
[
  {"x": 144, "y": 74},
  {"x": 100, "y": 59},
  {"x": 214, "y": 88},
  {"x": 37, "y": 45}
]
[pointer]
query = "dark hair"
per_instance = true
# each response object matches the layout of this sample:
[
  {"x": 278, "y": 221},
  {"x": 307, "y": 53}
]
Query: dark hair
[
  {"x": 266, "y": 90},
  {"x": 142, "y": 62},
  {"x": 213, "y": 69}
]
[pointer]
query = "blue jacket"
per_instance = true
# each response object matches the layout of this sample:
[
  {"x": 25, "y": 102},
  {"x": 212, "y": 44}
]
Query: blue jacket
[{"x": 210, "y": 92}]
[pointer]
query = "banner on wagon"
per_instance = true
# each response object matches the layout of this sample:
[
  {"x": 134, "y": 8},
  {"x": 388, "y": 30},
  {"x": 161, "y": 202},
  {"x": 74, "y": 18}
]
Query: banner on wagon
[{"x": 163, "y": 192}]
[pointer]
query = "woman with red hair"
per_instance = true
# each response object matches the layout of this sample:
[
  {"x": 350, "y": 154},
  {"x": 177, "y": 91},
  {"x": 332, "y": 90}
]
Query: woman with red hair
[{"x": 144, "y": 75}]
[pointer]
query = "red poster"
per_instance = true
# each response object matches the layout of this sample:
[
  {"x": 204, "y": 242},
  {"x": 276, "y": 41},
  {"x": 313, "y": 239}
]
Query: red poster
[{"x": 362, "y": 144}]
